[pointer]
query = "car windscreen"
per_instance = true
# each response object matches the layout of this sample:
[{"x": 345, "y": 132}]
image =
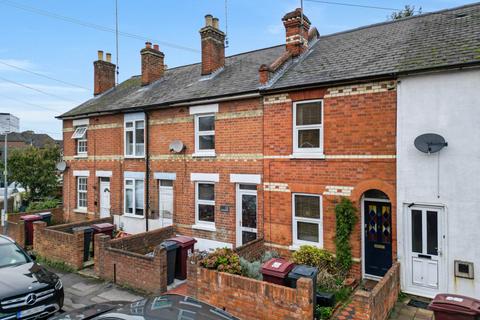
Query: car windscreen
[{"x": 11, "y": 254}]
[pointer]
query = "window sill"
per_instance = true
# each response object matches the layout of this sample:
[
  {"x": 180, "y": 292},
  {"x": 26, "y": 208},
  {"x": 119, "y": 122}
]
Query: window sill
[
  {"x": 204, "y": 227},
  {"x": 204, "y": 155},
  {"x": 80, "y": 210},
  {"x": 133, "y": 157},
  {"x": 129, "y": 215},
  {"x": 80, "y": 156},
  {"x": 307, "y": 156}
]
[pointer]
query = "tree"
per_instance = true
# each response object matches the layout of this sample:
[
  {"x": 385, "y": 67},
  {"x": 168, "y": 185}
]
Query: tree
[
  {"x": 35, "y": 170},
  {"x": 408, "y": 11}
]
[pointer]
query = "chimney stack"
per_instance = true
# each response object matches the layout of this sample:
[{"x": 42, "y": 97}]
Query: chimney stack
[
  {"x": 103, "y": 74},
  {"x": 213, "y": 46},
  {"x": 296, "y": 28},
  {"x": 153, "y": 66}
]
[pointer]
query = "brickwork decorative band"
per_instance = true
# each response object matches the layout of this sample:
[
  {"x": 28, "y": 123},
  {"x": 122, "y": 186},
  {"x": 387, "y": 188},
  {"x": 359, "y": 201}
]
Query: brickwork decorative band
[
  {"x": 277, "y": 98},
  {"x": 365, "y": 88},
  {"x": 275, "y": 187},
  {"x": 338, "y": 191}
]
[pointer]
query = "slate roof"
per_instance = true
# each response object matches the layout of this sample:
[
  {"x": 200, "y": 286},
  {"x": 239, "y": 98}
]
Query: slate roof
[
  {"x": 240, "y": 75},
  {"x": 434, "y": 40}
]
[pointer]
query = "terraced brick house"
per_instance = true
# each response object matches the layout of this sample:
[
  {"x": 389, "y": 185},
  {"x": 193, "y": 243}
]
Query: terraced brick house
[{"x": 259, "y": 144}]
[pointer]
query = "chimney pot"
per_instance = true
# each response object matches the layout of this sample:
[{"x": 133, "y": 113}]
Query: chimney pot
[
  {"x": 215, "y": 23},
  {"x": 208, "y": 20},
  {"x": 153, "y": 66},
  {"x": 148, "y": 45},
  {"x": 296, "y": 29},
  {"x": 213, "y": 46},
  {"x": 103, "y": 74}
]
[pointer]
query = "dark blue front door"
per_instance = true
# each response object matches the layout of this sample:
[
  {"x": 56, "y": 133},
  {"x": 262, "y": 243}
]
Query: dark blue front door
[{"x": 378, "y": 237}]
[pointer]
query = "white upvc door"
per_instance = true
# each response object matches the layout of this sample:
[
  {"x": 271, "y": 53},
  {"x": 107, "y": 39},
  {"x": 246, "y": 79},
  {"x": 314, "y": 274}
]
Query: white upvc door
[
  {"x": 166, "y": 203},
  {"x": 424, "y": 251},
  {"x": 104, "y": 198},
  {"x": 246, "y": 209}
]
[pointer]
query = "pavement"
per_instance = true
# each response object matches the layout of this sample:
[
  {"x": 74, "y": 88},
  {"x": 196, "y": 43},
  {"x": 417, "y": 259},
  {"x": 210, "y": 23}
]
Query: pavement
[
  {"x": 81, "y": 291},
  {"x": 402, "y": 311}
]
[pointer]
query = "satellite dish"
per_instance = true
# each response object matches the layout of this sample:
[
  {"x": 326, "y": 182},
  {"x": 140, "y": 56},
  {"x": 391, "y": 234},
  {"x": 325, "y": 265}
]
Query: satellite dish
[
  {"x": 176, "y": 146},
  {"x": 430, "y": 143},
  {"x": 61, "y": 166}
]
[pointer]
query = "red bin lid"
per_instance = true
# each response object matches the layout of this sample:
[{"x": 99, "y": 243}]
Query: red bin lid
[
  {"x": 452, "y": 303},
  {"x": 31, "y": 217},
  {"x": 183, "y": 241},
  {"x": 277, "y": 267}
]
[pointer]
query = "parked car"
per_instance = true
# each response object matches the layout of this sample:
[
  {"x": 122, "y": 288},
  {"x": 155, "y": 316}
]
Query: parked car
[
  {"x": 27, "y": 290},
  {"x": 168, "y": 306}
]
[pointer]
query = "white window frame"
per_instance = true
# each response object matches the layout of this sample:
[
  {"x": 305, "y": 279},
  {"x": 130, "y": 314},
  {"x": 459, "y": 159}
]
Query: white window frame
[
  {"x": 85, "y": 192},
  {"x": 306, "y": 152},
  {"x": 80, "y": 135},
  {"x": 296, "y": 242},
  {"x": 199, "y": 223},
  {"x": 133, "y": 118},
  {"x": 134, "y": 195},
  {"x": 198, "y": 133}
]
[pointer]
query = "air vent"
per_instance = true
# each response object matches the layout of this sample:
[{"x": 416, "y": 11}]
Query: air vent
[{"x": 464, "y": 269}]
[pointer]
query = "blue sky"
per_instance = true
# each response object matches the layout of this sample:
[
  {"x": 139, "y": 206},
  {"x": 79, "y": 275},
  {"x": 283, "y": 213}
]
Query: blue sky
[{"x": 32, "y": 39}]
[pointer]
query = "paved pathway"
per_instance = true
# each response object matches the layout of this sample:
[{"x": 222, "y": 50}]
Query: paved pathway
[
  {"x": 403, "y": 311},
  {"x": 81, "y": 291}
]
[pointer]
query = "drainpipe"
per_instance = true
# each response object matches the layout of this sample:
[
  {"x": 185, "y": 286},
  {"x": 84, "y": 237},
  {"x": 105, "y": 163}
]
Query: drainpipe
[{"x": 147, "y": 170}]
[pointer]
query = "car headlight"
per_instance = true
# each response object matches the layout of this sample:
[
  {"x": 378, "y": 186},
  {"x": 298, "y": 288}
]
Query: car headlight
[{"x": 58, "y": 285}]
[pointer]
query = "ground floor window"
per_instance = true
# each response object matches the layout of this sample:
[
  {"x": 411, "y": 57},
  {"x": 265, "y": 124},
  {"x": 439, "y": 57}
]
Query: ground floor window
[
  {"x": 134, "y": 197},
  {"x": 307, "y": 219},
  {"x": 82, "y": 193},
  {"x": 205, "y": 203}
]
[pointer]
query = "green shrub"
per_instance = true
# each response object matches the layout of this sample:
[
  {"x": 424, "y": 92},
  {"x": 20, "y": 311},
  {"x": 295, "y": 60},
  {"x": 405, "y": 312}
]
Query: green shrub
[
  {"x": 223, "y": 260},
  {"x": 323, "y": 312},
  {"x": 43, "y": 205},
  {"x": 314, "y": 257},
  {"x": 346, "y": 218},
  {"x": 253, "y": 269}
]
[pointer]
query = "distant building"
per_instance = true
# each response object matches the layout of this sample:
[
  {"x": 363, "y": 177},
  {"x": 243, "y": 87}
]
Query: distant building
[{"x": 9, "y": 123}]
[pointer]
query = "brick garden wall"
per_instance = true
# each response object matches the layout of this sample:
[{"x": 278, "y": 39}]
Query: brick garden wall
[
  {"x": 375, "y": 304},
  {"x": 253, "y": 250},
  {"x": 16, "y": 231},
  {"x": 249, "y": 298},
  {"x": 59, "y": 243},
  {"x": 124, "y": 261}
]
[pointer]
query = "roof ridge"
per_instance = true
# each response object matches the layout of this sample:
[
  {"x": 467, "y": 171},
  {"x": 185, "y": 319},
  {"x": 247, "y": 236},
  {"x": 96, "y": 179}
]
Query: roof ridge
[{"x": 418, "y": 16}]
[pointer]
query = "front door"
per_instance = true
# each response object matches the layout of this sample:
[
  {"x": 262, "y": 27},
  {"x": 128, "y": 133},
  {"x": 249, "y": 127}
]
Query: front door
[
  {"x": 424, "y": 238},
  {"x": 246, "y": 213},
  {"x": 166, "y": 202},
  {"x": 104, "y": 197},
  {"x": 377, "y": 237}
]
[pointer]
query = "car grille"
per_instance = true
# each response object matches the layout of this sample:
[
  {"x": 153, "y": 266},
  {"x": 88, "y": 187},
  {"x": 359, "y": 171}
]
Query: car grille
[{"x": 27, "y": 299}]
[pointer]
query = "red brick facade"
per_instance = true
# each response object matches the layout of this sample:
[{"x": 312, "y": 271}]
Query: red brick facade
[{"x": 254, "y": 136}]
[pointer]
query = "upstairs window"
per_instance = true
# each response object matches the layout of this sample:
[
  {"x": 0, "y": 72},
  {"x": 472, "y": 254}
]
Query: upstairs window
[
  {"x": 205, "y": 134},
  {"x": 135, "y": 136},
  {"x": 80, "y": 135},
  {"x": 308, "y": 127}
]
